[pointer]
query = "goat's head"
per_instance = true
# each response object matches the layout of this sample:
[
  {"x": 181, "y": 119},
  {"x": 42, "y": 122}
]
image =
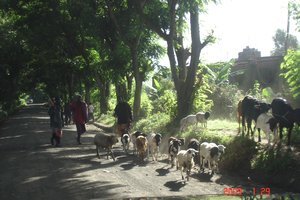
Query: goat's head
[{"x": 158, "y": 138}]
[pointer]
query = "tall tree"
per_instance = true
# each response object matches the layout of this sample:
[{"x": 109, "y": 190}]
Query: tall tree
[
  {"x": 167, "y": 19},
  {"x": 132, "y": 32}
]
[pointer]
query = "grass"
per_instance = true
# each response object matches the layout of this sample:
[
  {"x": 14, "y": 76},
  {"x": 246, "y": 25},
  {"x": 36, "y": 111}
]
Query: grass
[{"x": 107, "y": 119}]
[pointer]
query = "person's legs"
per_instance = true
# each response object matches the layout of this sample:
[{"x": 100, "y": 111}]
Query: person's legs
[
  {"x": 52, "y": 137},
  {"x": 80, "y": 130},
  {"x": 58, "y": 135},
  {"x": 57, "y": 139}
]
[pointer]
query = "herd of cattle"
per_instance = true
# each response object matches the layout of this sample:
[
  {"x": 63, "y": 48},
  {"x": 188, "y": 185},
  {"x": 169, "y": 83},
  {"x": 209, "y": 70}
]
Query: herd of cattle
[{"x": 282, "y": 115}]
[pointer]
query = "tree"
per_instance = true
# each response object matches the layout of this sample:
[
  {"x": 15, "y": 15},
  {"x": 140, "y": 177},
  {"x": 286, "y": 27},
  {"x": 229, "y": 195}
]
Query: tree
[
  {"x": 167, "y": 19},
  {"x": 138, "y": 40},
  {"x": 280, "y": 42},
  {"x": 291, "y": 71}
]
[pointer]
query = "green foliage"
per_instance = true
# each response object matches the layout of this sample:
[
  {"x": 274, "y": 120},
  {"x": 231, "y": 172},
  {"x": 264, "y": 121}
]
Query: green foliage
[
  {"x": 154, "y": 123},
  {"x": 267, "y": 94},
  {"x": 280, "y": 42},
  {"x": 215, "y": 93},
  {"x": 256, "y": 90},
  {"x": 166, "y": 103},
  {"x": 238, "y": 154},
  {"x": 274, "y": 161},
  {"x": 146, "y": 106},
  {"x": 225, "y": 98},
  {"x": 290, "y": 70}
]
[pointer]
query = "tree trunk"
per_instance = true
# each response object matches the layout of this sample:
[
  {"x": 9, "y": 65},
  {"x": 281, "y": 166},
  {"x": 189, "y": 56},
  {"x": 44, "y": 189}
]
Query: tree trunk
[
  {"x": 121, "y": 91},
  {"x": 138, "y": 82},
  {"x": 87, "y": 94},
  {"x": 104, "y": 87},
  {"x": 104, "y": 96}
]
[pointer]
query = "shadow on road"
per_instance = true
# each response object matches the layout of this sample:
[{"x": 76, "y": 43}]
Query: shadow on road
[{"x": 175, "y": 185}]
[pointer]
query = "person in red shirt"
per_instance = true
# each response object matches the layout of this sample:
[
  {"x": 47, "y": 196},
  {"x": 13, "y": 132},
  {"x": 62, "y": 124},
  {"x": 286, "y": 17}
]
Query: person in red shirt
[{"x": 79, "y": 110}]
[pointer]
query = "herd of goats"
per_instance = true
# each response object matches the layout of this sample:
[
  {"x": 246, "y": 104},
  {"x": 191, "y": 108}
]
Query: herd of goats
[{"x": 281, "y": 115}]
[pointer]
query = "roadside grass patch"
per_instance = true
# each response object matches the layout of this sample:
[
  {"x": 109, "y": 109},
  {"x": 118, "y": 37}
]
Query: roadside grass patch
[
  {"x": 219, "y": 131},
  {"x": 107, "y": 119}
]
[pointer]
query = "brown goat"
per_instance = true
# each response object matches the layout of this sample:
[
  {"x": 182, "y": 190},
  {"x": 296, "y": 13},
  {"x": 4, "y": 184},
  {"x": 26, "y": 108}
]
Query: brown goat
[
  {"x": 141, "y": 145},
  {"x": 105, "y": 141}
]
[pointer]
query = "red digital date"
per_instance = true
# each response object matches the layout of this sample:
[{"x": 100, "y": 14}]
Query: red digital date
[
  {"x": 255, "y": 191},
  {"x": 233, "y": 191}
]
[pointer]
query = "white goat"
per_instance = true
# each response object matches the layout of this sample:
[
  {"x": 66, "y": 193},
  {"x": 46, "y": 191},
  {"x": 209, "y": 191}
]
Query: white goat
[
  {"x": 185, "y": 161},
  {"x": 268, "y": 124},
  {"x": 125, "y": 139},
  {"x": 154, "y": 140},
  {"x": 211, "y": 153},
  {"x": 187, "y": 121},
  {"x": 202, "y": 118}
]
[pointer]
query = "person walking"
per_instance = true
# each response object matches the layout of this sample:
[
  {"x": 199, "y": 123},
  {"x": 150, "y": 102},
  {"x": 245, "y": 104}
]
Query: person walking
[
  {"x": 123, "y": 114},
  {"x": 56, "y": 121},
  {"x": 91, "y": 112},
  {"x": 79, "y": 111}
]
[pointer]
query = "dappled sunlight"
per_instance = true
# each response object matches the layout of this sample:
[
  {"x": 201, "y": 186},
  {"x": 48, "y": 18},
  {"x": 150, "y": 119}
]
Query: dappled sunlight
[
  {"x": 33, "y": 179},
  {"x": 11, "y": 137}
]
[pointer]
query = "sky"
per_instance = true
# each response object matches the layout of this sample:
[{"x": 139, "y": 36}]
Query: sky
[{"x": 241, "y": 23}]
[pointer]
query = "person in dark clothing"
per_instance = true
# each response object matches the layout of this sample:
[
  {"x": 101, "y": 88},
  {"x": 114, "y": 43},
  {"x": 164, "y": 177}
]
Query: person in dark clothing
[
  {"x": 56, "y": 120},
  {"x": 123, "y": 114}
]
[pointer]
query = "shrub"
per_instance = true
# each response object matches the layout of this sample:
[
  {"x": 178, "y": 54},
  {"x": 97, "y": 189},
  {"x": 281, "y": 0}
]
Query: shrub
[
  {"x": 238, "y": 154},
  {"x": 273, "y": 161},
  {"x": 153, "y": 123},
  {"x": 166, "y": 103}
]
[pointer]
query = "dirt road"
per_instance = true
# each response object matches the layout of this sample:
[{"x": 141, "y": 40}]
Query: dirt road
[{"x": 32, "y": 169}]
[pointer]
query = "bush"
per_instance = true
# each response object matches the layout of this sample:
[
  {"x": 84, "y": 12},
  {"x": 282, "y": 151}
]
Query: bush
[
  {"x": 156, "y": 123},
  {"x": 225, "y": 98},
  {"x": 166, "y": 103},
  {"x": 273, "y": 161},
  {"x": 238, "y": 154}
]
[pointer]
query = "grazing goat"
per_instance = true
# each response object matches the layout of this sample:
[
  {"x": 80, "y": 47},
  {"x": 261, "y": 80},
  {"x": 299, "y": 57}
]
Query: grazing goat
[
  {"x": 125, "y": 139},
  {"x": 105, "y": 141},
  {"x": 133, "y": 139},
  {"x": 251, "y": 109},
  {"x": 154, "y": 140},
  {"x": 185, "y": 161},
  {"x": 202, "y": 118},
  {"x": 268, "y": 124},
  {"x": 174, "y": 148},
  {"x": 195, "y": 144},
  {"x": 141, "y": 145},
  {"x": 187, "y": 121},
  {"x": 285, "y": 115},
  {"x": 211, "y": 153}
]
